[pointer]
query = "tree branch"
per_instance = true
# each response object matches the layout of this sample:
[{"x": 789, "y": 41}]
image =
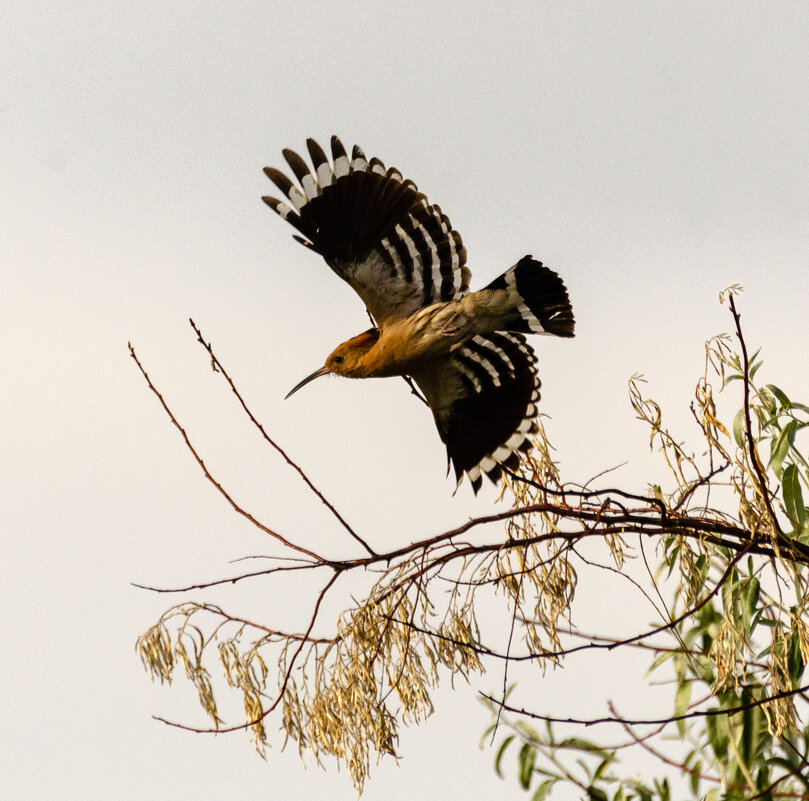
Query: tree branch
[
  {"x": 210, "y": 478},
  {"x": 751, "y": 443},
  {"x": 218, "y": 365},
  {"x": 652, "y": 721}
]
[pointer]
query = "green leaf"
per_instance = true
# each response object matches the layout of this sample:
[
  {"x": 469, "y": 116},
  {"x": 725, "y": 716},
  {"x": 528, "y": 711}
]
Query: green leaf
[
  {"x": 716, "y": 727},
  {"x": 749, "y": 601},
  {"x": 728, "y": 589},
  {"x": 641, "y": 789},
  {"x": 783, "y": 400},
  {"x": 781, "y": 446},
  {"x": 695, "y": 780},
  {"x": 487, "y": 734},
  {"x": 748, "y": 741},
  {"x": 602, "y": 766},
  {"x": 793, "y": 497},
  {"x": 795, "y": 661},
  {"x": 739, "y": 428},
  {"x": 659, "y": 660},
  {"x": 663, "y": 789},
  {"x": 768, "y": 401},
  {"x": 542, "y": 791},
  {"x": 671, "y": 558},
  {"x": 681, "y": 702},
  {"x": 763, "y": 781},
  {"x": 500, "y": 752},
  {"x": 597, "y": 794},
  {"x": 581, "y": 744},
  {"x": 526, "y": 761}
]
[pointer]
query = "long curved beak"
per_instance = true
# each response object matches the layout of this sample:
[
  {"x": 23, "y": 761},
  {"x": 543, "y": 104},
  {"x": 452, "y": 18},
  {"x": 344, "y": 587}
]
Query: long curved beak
[{"x": 316, "y": 374}]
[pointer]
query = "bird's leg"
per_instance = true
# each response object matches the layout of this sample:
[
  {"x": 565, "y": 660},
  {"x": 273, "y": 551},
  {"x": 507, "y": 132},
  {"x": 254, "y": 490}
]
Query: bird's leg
[
  {"x": 451, "y": 327},
  {"x": 455, "y": 326},
  {"x": 414, "y": 390}
]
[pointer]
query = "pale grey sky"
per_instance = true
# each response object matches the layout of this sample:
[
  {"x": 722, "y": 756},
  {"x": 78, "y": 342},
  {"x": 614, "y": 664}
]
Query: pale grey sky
[{"x": 652, "y": 154}]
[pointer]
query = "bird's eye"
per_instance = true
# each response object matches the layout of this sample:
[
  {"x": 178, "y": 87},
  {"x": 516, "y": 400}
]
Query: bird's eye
[{"x": 338, "y": 359}]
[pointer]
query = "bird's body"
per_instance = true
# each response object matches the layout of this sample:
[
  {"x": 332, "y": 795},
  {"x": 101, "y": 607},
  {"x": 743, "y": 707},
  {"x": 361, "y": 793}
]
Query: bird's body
[{"x": 466, "y": 351}]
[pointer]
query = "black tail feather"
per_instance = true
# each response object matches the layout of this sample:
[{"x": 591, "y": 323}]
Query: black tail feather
[{"x": 542, "y": 303}]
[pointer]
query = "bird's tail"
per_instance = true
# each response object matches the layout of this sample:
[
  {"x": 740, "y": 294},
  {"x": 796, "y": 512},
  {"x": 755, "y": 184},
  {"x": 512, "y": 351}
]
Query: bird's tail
[{"x": 536, "y": 300}]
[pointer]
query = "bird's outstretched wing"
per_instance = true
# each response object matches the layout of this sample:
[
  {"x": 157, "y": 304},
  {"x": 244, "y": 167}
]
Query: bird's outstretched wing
[
  {"x": 484, "y": 401},
  {"x": 374, "y": 229}
]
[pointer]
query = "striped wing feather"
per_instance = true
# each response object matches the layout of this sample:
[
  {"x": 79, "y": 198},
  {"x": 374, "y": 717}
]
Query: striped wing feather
[
  {"x": 484, "y": 400},
  {"x": 373, "y": 228}
]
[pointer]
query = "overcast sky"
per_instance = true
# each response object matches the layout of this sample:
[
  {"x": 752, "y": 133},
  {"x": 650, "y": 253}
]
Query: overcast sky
[{"x": 652, "y": 154}]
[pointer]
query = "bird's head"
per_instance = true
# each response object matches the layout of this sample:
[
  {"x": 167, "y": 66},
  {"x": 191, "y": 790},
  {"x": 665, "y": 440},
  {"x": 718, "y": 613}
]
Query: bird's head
[{"x": 345, "y": 359}]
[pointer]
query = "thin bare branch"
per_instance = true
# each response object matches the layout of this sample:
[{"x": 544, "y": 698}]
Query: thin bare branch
[
  {"x": 210, "y": 477},
  {"x": 706, "y": 713},
  {"x": 219, "y": 366},
  {"x": 233, "y": 579}
]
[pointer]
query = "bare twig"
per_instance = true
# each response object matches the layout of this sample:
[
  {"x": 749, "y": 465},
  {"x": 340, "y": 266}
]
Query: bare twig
[
  {"x": 414, "y": 389},
  {"x": 218, "y": 365},
  {"x": 729, "y": 712},
  {"x": 210, "y": 477},
  {"x": 233, "y": 579}
]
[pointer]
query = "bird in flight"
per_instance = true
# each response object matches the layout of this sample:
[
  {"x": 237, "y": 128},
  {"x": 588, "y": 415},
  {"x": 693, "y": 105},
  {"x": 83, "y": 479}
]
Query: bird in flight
[{"x": 466, "y": 351}]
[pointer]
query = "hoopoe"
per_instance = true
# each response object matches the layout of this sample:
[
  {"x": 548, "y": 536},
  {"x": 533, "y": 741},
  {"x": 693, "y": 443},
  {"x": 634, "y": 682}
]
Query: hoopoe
[{"x": 465, "y": 351}]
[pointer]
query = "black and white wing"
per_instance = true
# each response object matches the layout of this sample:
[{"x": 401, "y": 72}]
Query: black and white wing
[
  {"x": 373, "y": 228},
  {"x": 484, "y": 401}
]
